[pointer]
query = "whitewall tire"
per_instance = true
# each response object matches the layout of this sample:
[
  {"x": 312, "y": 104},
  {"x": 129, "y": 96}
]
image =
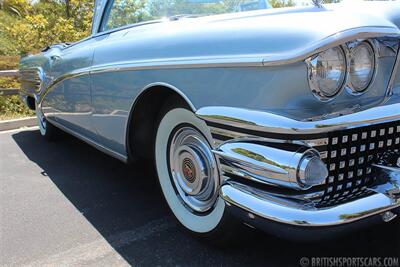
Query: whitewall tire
[{"x": 188, "y": 171}]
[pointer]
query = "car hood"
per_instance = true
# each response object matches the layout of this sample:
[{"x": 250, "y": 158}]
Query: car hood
[{"x": 270, "y": 33}]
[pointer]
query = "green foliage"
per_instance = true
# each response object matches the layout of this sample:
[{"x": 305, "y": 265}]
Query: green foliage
[
  {"x": 281, "y": 3},
  {"x": 8, "y": 62},
  {"x": 12, "y": 107},
  {"x": 27, "y": 26},
  {"x": 127, "y": 12},
  {"x": 9, "y": 82},
  {"x": 166, "y": 8}
]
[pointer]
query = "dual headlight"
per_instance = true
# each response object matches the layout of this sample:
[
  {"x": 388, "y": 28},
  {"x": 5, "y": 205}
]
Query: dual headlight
[{"x": 332, "y": 70}]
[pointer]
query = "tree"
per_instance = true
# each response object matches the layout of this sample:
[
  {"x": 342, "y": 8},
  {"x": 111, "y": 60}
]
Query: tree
[
  {"x": 16, "y": 7},
  {"x": 282, "y": 3},
  {"x": 127, "y": 12},
  {"x": 27, "y": 26}
]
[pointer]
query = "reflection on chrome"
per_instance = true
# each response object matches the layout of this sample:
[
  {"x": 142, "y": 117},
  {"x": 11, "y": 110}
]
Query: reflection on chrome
[
  {"x": 252, "y": 120},
  {"x": 303, "y": 213},
  {"x": 284, "y": 165}
]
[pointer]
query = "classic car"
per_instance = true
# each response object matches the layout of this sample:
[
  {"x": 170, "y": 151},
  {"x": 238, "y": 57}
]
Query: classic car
[{"x": 285, "y": 119}]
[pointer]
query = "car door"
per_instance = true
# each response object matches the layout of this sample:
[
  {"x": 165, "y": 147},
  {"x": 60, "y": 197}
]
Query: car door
[
  {"x": 111, "y": 94},
  {"x": 69, "y": 101}
]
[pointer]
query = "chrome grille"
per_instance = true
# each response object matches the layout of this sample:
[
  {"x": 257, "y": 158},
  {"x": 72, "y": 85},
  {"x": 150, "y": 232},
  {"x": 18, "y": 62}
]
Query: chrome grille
[
  {"x": 349, "y": 156},
  {"x": 30, "y": 81}
]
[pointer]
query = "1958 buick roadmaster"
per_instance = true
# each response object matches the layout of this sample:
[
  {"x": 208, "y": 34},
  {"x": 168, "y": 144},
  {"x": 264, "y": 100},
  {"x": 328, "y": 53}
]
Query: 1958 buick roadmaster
[{"x": 285, "y": 119}]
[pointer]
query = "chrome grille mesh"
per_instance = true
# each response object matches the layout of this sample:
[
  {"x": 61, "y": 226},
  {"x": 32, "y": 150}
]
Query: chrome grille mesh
[{"x": 349, "y": 156}]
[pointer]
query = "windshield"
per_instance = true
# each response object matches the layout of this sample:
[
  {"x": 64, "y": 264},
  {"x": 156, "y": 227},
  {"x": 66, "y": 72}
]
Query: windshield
[{"x": 124, "y": 12}]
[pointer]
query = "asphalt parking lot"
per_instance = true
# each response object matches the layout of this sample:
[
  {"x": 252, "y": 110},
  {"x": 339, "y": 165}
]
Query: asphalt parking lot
[{"x": 66, "y": 204}]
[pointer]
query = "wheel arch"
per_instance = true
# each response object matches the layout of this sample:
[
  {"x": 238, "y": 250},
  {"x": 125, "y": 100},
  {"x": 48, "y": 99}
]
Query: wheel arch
[{"x": 143, "y": 117}]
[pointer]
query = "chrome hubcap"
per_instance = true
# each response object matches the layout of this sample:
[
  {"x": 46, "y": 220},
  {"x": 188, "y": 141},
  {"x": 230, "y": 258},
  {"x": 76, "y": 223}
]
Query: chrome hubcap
[{"x": 193, "y": 169}]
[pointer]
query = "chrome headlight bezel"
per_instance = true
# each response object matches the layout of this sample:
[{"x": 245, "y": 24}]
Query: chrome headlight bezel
[
  {"x": 347, "y": 49},
  {"x": 350, "y": 88},
  {"x": 312, "y": 74}
]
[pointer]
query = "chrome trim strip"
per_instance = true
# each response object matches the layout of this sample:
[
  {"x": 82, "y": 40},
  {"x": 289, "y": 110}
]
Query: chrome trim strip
[
  {"x": 226, "y": 134},
  {"x": 182, "y": 63},
  {"x": 223, "y": 135},
  {"x": 69, "y": 75},
  {"x": 253, "y": 60},
  {"x": 245, "y": 120},
  {"x": 393, "y": 76},
  {"x": 331, "y": 41},
  {"x": 90, "y": 142},
  {"x": 297, "y": 213}
]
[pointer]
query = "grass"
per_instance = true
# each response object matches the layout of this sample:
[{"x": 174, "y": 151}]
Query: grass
[{"x": 11, "y": 107}]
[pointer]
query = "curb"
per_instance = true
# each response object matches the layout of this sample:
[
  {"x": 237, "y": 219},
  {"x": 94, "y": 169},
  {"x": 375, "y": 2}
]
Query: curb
[{"x": 17, "y": 123}]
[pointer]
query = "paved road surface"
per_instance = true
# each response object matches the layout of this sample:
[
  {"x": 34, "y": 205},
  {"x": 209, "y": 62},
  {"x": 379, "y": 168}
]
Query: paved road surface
[{"x": 67, "y": 204}]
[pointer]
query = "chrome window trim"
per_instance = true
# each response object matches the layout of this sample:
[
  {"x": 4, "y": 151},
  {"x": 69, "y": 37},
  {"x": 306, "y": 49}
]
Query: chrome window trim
[
  {"x": 106, "y": 15},
  {"x": 101, "y": 33}
]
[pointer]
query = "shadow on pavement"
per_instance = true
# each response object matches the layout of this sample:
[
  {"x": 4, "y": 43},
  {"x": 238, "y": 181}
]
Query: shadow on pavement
[{"x": 117, "y": 198}]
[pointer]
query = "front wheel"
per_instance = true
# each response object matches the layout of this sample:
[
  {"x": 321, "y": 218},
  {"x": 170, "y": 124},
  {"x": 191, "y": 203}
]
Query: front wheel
[{"x": 188, "y": 173}]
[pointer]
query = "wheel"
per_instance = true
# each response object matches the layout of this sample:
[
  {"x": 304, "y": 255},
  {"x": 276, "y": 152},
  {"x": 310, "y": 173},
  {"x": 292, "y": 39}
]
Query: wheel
[
  {"x": 47, "y": 130},
  {"x": 189, "y": 176}
]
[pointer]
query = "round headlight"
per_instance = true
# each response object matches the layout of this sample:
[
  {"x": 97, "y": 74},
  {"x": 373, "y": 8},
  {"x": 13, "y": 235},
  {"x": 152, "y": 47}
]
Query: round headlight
[
  {"x": 327, "y": 73},
  {"x": 362, "y": 66}
]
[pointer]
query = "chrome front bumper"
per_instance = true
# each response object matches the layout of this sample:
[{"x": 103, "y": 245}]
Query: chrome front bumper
[
  {"x": 257, "y": 203},
  {"x": 249, "y": 196}
]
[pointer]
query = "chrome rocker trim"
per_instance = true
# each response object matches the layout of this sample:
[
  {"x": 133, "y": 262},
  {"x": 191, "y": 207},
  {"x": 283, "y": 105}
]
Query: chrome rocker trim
[{"x": 266, "y": 206}]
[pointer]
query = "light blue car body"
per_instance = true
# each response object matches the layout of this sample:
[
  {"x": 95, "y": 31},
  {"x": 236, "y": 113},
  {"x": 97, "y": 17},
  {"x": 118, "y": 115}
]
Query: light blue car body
[{"x": 250, "y": 60}]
